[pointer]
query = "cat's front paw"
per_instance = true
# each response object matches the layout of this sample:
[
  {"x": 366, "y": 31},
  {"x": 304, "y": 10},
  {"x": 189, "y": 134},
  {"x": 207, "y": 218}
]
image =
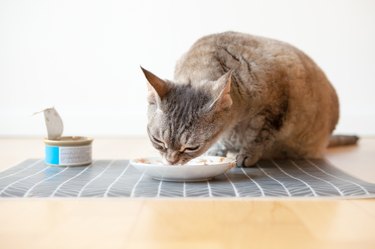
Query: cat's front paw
[{"x": 245, "y": 160}]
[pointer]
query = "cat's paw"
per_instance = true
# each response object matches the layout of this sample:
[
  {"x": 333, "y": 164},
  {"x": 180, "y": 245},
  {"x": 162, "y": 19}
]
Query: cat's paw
[
  {"x": 217, "y": 152},
  {"x": 245, "y": 160}
]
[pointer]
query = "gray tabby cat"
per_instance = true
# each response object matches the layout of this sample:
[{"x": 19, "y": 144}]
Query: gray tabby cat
[{"x": 254, "y": 96}]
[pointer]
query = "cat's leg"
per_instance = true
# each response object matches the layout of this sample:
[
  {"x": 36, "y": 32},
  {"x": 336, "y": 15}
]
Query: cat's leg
[
  {"x": 218, "y": 149},
  {"x": 260, "y": 133},
  {"x": 250, "y": 153}
]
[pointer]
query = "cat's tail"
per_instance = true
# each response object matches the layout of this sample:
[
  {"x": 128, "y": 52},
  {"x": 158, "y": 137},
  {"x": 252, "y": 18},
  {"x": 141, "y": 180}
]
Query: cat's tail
[{"x": 342, "y": 140}]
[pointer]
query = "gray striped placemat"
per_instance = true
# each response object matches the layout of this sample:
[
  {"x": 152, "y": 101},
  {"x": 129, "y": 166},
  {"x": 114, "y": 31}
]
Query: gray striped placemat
[{"x": 116, "y": 178}]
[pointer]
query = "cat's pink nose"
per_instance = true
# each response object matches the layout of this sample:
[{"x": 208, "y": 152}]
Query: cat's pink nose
[
  {"x": 172, "y": 158},
  {"x": 173, "y": 161}
]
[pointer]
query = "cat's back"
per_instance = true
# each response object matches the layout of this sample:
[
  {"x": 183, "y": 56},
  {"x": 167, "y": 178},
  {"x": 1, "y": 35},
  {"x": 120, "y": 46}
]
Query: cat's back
[
  {"x": 212, "y": 55},
  {"x": 267, "y": 73}
]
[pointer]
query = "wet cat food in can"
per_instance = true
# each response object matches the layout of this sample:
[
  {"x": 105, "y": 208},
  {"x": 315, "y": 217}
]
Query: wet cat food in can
[{"x": 68, "y": 151}]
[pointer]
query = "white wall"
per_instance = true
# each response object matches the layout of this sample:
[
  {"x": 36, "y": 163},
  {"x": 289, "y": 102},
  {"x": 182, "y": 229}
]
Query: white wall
[{"x": 83, "y": 56}]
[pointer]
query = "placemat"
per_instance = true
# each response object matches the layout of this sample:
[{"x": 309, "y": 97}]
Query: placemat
[{"x": 116, "y": 178}]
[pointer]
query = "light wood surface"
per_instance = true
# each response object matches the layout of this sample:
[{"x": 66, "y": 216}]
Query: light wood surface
[{"x": 191, "y": 223}]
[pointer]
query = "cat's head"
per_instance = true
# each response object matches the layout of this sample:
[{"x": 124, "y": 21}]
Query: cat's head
[{"x": 184, "y": 120}]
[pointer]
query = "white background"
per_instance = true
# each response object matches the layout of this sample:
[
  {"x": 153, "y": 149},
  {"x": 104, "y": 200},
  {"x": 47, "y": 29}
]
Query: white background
[{"x": 83, "y": 57}]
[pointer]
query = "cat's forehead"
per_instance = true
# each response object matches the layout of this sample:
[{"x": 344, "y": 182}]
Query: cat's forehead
[
  {"x": 182, "y": 111},
  {"x": 186, "y": 97}
]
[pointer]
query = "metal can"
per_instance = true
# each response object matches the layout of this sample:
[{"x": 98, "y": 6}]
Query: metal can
[{"x": 68, "y": 151}]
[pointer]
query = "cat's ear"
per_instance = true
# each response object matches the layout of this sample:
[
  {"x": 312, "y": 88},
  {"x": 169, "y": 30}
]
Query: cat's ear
[
  {"x": 157, "y": 88},
  {"x": 221, "y": 91}
]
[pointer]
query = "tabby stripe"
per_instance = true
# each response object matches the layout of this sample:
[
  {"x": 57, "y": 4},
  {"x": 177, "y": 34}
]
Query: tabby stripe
[{"x": 231, "y": 55}]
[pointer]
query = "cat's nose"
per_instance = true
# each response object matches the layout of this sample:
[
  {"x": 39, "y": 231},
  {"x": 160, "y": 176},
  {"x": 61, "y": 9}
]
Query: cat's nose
[
  {"x": 172, "y": 161},
  {"x": 172, "y": 157}
]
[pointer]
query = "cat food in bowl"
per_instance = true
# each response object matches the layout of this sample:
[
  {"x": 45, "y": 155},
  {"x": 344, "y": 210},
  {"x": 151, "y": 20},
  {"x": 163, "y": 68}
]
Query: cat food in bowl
[{"x": 199, "y": 169}]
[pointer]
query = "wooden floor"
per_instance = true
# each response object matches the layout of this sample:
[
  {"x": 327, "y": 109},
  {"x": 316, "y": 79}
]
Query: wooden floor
[{"x": 211, "y": 223}]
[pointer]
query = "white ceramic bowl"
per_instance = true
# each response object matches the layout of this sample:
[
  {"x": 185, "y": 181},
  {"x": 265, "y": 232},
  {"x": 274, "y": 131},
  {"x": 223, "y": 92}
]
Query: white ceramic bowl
[{"x": 199, "y": 169}]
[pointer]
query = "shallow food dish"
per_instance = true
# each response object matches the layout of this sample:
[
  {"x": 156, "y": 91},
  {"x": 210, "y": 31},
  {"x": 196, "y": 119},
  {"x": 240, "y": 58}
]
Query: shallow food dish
[{"x": 199, "y": 169}]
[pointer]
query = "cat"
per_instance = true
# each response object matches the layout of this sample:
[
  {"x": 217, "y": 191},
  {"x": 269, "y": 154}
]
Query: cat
[{"x": 234, "y": 92}]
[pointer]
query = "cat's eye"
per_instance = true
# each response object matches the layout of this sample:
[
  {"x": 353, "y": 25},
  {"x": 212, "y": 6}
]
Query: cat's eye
[
  {"x": 157, "y": 140},
  {"x": 190, "y": 149},
  {"x": 161, "y": 144}
]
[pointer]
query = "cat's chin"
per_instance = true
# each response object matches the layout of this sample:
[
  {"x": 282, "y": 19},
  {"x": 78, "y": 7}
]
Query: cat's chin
[
  {"x": 180, "y": 162},
  {"x": 166, "y": 162}
]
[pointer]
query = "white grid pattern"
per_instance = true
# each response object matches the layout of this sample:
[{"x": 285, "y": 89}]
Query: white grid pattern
[{"x": 104, "y": 178}]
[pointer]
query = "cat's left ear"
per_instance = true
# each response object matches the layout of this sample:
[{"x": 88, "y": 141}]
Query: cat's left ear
[
  {"x": 157, "y": 88},
  {"x": 221, "y": 91}
]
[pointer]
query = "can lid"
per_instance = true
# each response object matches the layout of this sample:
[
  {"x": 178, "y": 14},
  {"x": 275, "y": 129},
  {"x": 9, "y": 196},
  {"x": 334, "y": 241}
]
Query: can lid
[
  {"x": 54, "y": 123},
  {"x": 69, "y": 141}
]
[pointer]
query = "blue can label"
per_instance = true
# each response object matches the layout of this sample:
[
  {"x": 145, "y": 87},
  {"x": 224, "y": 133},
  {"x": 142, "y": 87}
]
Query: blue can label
[
  {"x": 68, "y": 156},
  {"x": 52, "y": 155}
]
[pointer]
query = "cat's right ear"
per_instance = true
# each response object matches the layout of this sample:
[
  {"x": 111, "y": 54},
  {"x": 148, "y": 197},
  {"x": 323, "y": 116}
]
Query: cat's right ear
[
  {"x": 157, "y": 88},
  {"x": 221, "y": 93}
]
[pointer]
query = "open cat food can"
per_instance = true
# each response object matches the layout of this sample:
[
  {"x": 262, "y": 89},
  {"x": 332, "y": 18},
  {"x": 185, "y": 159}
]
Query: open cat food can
[{"x": 68, "y": 151}]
